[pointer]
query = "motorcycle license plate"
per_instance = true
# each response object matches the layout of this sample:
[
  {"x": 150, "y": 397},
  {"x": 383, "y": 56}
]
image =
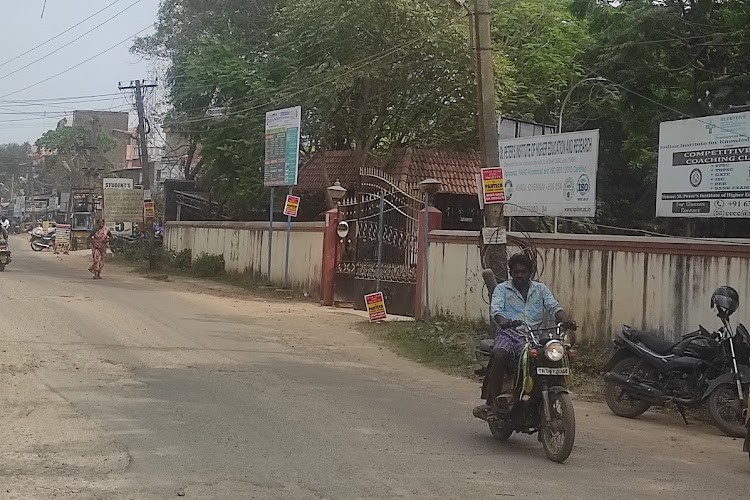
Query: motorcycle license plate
[{"x": 543, "y": 370}]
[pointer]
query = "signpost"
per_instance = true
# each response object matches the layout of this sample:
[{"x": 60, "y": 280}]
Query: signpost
[
  {"x": 551, "y": 175},
  {"x": 704, "y": 167},
  {"x": 281, "y": 165},
  {"x": 375, "y": 303}
]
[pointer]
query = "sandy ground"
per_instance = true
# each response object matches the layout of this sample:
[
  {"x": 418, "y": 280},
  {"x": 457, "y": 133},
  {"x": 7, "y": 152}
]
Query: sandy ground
[{"x": 131, "y": 388}]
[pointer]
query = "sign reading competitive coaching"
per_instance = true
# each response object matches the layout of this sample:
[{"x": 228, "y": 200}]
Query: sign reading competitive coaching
[{"x": 704, "y": 167}]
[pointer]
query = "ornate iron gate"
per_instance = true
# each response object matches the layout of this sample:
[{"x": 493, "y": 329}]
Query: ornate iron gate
[{"x": 358, "y": 272}]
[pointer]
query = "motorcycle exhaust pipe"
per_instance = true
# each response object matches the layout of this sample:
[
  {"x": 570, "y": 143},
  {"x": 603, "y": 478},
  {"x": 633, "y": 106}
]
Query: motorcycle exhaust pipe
[{"x": 641, "y": 390}]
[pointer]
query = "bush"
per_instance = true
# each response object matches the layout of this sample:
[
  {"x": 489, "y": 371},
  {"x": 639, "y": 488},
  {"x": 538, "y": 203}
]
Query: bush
[
  {"x": 183, "y": 260},
  {"x": 207, "y": 266}
]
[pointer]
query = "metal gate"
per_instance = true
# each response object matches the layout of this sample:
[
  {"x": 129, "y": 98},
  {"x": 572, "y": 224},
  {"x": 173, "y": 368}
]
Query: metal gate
[{"x": 380, "y": 250}]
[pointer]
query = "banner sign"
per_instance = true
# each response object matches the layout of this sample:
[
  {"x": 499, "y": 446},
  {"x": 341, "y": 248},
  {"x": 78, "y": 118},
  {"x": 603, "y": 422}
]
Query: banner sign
[
  {"x": 703, "y": 167},
  {"x": 551, "y": 175}
]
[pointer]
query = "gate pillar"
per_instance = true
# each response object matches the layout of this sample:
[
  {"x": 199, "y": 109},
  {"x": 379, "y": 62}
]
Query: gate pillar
[
  {"x": 328, "y": 269},
  {"x": 435, "y": 222}
]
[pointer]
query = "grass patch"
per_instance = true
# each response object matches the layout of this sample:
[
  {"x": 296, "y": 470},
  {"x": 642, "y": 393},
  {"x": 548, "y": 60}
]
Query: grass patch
[
  {"x": 205, "y": 267},
  {"x": 444, "y": 343},
  {"x": 448, "y": 344},
  {"x": 208, "y": 265}
]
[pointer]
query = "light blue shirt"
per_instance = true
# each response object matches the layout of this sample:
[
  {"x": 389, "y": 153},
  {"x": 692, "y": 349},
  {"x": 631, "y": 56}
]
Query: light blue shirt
[{"x": 508, "y": 302}]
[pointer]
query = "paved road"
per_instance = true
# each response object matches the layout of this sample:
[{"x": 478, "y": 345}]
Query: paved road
[{"x": 130, "y": 388}]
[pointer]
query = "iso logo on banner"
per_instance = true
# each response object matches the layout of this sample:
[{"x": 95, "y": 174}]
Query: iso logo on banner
[{"x": 583, "y": 186}]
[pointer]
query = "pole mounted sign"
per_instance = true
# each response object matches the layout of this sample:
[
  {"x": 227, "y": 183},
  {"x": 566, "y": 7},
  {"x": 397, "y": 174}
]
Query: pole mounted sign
[
  {"x": 493, "y": 185},
  {"x": 291, "y": 207},
  {"x": 282, "y": 147},
  {"x": 704, "y": 167}
]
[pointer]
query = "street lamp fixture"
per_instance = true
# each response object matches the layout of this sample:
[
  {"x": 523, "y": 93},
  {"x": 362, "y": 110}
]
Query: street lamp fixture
[
  {"x": 336, "y": 192},
  {"x": 567, "y": 96},
  {"x": 429, "y": 187}
]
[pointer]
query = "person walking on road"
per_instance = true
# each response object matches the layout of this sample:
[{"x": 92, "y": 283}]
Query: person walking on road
[{"x": 98, "y": 240}]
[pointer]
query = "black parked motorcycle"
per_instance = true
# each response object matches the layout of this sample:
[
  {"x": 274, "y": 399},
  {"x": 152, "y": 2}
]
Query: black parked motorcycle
[
  {"x": 702, "y": 366},
  {"x": 539, "y": 401}
]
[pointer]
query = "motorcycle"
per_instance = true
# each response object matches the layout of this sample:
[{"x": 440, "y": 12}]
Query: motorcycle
[
  {"x": 646, "y": 370},
  {"x": 539, "y": 401},
  {"x": 39, "y": 243},
  {"x": 4, "y": 254}
]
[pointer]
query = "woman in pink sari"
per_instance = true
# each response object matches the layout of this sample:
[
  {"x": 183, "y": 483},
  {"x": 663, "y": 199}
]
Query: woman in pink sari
[{"x": 98, "y": 240}]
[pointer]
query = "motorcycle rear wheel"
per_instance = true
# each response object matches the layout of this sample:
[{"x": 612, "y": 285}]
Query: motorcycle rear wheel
[
  {"x": 499, "y": 431},
  {"x": 620, "y": 401},
  {"x": 36, "y": 246},
  {"x": 726, "y": 410},
  {"x": 559, "y": 435}
]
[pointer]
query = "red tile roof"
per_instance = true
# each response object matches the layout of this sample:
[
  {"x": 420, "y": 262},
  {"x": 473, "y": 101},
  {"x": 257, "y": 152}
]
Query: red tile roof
[
  {"x": 322, "y": 170},
  {"x": 456, "y": 170}
]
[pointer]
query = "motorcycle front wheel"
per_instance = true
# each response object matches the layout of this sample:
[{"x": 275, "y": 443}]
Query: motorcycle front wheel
[
  {"x": 559, "y": 435},
  {"x": 620, "y": 401},
  {"x": 725, "y": 408}
]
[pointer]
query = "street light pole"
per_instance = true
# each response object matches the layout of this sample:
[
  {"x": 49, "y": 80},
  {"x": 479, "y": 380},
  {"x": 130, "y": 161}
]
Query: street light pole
[{"x": 570, "y": 92}]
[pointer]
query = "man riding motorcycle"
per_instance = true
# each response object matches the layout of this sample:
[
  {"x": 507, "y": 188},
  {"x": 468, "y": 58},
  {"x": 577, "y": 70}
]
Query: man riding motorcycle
[
  {"x": 518, "y": 300},
  {"x": 5, "y": 227}
]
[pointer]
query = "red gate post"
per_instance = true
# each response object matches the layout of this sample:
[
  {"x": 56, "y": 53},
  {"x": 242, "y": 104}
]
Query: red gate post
[
  {"x": 330, "y": 246},
  {"x": 435, "y": 221}
]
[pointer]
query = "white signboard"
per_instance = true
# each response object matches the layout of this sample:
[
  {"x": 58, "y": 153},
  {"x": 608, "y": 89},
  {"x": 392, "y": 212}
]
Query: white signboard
[
  {"x": 704, "y": 167},
  {"x": 552, "y": 175},
  {"x": 118, "y": 227},
  {"x": 117, "y": 183}
]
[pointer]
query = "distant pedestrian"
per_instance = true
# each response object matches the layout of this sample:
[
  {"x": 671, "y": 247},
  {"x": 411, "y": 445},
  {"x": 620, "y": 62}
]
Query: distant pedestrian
[{"x": 98, "y": 240}]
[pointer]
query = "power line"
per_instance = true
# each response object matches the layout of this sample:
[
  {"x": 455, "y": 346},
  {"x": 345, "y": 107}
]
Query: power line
[
  {"x": 77, "y": 65},
  {"x": 59, "y": 34},
  {"x": 680, "y": 113},
  {"x": 3, "y": 77},
  {"x": 52, "y": 99}
]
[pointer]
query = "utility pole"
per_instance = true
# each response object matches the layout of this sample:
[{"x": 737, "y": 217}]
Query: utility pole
[
  {"x": 147, "y": 168},
  {"x": 495, "y": 254}
]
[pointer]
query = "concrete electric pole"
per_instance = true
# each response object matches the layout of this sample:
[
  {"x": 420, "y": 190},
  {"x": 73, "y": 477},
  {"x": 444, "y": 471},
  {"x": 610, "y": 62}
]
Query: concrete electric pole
[
  {"x": 495, "y": 253},
  {"x": 147, "y": 168}
]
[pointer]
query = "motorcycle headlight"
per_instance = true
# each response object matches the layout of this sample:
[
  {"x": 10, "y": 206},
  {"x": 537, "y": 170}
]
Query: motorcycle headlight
[{"x": 554, "y": 350}]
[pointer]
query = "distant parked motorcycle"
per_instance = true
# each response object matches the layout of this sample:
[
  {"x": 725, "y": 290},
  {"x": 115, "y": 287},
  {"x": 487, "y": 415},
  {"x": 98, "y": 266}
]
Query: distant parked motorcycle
[
  {"x": 702, "y": 366},
  {"x": 42, "y": 243}
]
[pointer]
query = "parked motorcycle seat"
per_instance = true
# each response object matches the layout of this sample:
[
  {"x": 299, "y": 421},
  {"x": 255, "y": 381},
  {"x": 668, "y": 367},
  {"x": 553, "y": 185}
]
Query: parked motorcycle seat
[
  {"x": 486, "y": 345},
  {"x": 653, "y": 342}
]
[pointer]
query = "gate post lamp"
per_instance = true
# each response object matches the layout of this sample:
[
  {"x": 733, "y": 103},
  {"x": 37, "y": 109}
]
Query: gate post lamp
[
  {"x": 429, "y": 187},
  {"x": 336, "y": 192}
]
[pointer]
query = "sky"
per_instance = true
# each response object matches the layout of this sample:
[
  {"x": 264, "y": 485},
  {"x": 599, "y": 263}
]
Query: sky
[{"x": 26, "y": 113}]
